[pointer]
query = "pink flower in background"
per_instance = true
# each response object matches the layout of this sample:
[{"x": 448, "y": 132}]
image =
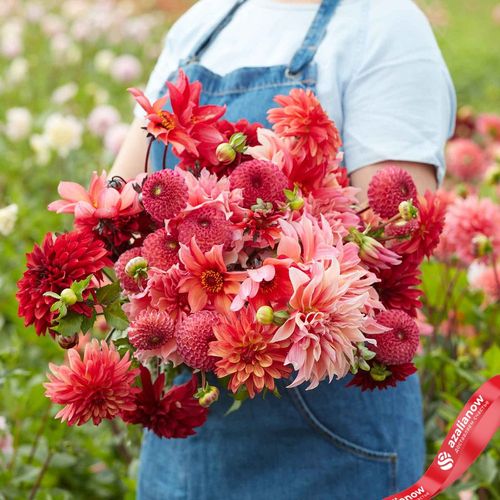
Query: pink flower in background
[
  {"x": 471, "y": 218},
  {"x": 97, "y": 387},
  {"x": 465, "y": 160},
  {"x": 484, "y": 278},
  {"x": 102, "y": 118},
  {"x": 6, "y": 440},
  {"x": 115, "y": 137},
  {"x": 488, "y": 125},
  {"x": 126, "y": 68}
]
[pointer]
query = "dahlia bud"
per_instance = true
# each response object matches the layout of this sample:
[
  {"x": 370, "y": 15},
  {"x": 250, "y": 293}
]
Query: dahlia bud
[
  {"x": 492, "y": 175},
  {"x": 69, "y": 297},
  {"x": 482, "y": 245},
  {"x": 363, "y": 365},
  {"x": 208, "y": 396},
  {"x": 238, "y": 142},
  {"x": 407, "y": 210},
  {"x": 225, "y": 153},
  {"x": 137, "y": 267},
  {"x": 462, "y": 190},
  {"x": 265, "y": 315},
  {"x": 296, "y": 204},
  {"x": 379, "y": 372},
  {"x": 280, "y": 317},
  {"x": 68, "y": 342}
]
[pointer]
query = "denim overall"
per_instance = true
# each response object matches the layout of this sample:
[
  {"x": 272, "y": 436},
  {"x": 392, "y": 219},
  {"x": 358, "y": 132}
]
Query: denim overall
[{"x": 330, "y": 443}]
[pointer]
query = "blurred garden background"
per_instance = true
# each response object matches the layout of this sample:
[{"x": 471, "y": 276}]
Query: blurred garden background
[{"x": 64, "y": 69}]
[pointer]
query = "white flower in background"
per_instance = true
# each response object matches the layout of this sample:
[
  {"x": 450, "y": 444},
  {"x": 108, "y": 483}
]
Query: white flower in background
[
  {"x": 17, "y": 71},
  {"x": 6, "y": 7},
  {"x": 52, "y": 25},
  {"x": 64, "y": 50},
  {"x": 74, "y": 9},
  {"x": 103, "y": 60},
  {"x": 40, "y": 145},
  {"x": 11, "y": 38},
  {"x": 99, "y": 94},
  {"x": 6, "y": 448},
  {"x": 102, "y": 118},
  {"x": 8, "y": 217},
  {"x": 139, "y": 28},
  {"x": 63, "y": 133},
  {"x": 33, "y": 12},
  {"x": 64, "y": 93},
  {"x": 126, "y": 68},
  {"x": 115, "y": 136},
  {"x": 17, "y": 123}
]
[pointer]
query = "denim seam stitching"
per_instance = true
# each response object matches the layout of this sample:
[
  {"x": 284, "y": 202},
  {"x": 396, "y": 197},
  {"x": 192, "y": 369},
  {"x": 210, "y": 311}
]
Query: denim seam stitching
[
  {"x": 240, "y": 90},
  {"x": 338, "y": 440}
]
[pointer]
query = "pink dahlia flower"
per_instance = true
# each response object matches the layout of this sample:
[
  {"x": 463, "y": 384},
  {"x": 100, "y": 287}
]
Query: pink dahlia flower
[
  {"x": 247, "y": 353},
  {"x": 164, "y": 194},
  {"x": 100, "y": 201},
  {"x": 207, "y": 279},
  {"x": 466, "y": 160},
  {"x": 325, "y": 323},
  {"x": 161, "y": 250},
  {"x": 388, "y": 188},
  {"x": 152, "y": 334},
  {"x": 470, "y": 218},
  {"x": 488, "y": 125},
  {"x": 193, "y": 336},
  {"x": 486, "y": 279},
  {"x": 97, "y": 387},
  {"x": 128, "y": 284}
]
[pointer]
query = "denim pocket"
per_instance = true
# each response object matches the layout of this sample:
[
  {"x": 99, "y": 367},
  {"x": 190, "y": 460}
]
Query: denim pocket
[{"x": 314, "y": 416}]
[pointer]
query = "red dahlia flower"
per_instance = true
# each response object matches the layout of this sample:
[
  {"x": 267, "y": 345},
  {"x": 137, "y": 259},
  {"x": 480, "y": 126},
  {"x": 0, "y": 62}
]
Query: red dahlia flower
[
  {"x": 173, "y": 415},
  {"x": 54, "y": 266},
  {"x": 98, "y": 387},
  {"x": 399, "y": 373},
  {"x": 317, "y": 140}
]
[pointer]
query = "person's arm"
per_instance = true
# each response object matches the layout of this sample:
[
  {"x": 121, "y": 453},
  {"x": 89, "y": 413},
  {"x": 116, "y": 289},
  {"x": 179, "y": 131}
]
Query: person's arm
[
  {"x": 423, "y": 174},
  {"x": 132, "y": 154}
]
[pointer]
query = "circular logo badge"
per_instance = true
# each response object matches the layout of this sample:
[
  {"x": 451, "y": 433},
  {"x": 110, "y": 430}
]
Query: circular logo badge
[{"x": 445, "y": 461}]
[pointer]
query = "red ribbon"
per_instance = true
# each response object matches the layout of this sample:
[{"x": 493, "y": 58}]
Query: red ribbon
[{"x": 470, "y": 433}]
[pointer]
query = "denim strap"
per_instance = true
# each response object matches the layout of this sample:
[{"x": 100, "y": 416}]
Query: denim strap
[
  {"x": 198, "y": 50},
  {"x": 314, "y": 36}
]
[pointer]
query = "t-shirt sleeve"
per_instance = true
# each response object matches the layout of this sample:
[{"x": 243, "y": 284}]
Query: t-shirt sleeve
[{"x": 400, "y": 103}]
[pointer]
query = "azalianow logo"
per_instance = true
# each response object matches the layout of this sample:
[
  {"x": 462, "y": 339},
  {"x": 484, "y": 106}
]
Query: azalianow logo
[{"x": 445, "y": 461}]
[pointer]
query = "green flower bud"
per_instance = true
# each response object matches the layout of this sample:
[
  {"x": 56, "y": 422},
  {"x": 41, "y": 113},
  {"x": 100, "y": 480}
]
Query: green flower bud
[
  {"x": 407, "y": 210},
  {"x": 482, "y": 245},
  {"x": 69, "y": 297},
  {"x": 68, "y": 342},
  {"x": 379, "y": 372},
  {"x": 137, "y": 268},
  {"x": 238, "y": 141},
  {"x": 265, "y": 315},
  {"x": 280, "y": 317},
  {"x": 296, "y": 204},
  {"x": 209, "y": 396},
  {"x": 225, "y": 153}
]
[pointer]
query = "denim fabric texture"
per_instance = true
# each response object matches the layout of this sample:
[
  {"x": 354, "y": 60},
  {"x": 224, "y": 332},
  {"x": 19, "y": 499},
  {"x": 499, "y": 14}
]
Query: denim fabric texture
[{"x": 332, "y": 442}]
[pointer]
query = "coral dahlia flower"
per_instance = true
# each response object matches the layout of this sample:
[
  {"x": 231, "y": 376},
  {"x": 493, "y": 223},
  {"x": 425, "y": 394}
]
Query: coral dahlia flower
[
  {"x": 325, "y": 323},
  {"x": 207, "y": 279},
  {"x": 54, "y": 266},
  {"x": 248, "y": 354},
  {"x": 466, "y": 160},
  {"x": 97, "y": 387},
  {"x": 172, "y": 415},
  {"x": 316, "y": 138}
]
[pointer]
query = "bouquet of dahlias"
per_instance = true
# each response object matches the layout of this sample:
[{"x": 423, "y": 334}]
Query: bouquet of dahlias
[{"x": 249, "y": 260}]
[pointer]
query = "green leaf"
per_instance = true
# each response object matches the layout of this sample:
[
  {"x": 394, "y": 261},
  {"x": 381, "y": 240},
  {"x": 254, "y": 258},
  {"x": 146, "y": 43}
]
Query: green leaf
[
  {"x": 492, "y": 360},
  {"x": 53, "y": 295},
  {"x": 234, "y": 407},
  {"x": 115, "y": 317},
  {"x": 87, "y": 323},
  {"x": 56, "y": 306},
  {"x": 109, "y": 293},
  {"x": 69, "y": 325},
  {"x": 79, "y": 286}
]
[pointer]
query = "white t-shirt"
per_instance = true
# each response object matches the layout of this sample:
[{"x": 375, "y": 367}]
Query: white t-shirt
[{"x": 381, "y": 75}]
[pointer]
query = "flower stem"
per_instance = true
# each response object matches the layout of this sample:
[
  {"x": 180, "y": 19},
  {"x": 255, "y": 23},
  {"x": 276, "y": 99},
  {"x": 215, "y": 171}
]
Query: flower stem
[
  {"x": 147, "y": 155},
  {"x": 42, "y": 472},
  {"x": 164, "y": 159}
]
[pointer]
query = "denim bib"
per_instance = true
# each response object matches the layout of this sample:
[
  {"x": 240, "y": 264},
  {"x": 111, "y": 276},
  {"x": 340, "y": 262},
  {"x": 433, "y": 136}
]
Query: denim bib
[{"x": 330, "y": 443}]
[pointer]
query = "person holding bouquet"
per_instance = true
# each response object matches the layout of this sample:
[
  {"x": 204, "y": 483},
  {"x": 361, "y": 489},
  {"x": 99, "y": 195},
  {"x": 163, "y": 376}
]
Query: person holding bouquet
[{"x": 377, "y": 70}]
